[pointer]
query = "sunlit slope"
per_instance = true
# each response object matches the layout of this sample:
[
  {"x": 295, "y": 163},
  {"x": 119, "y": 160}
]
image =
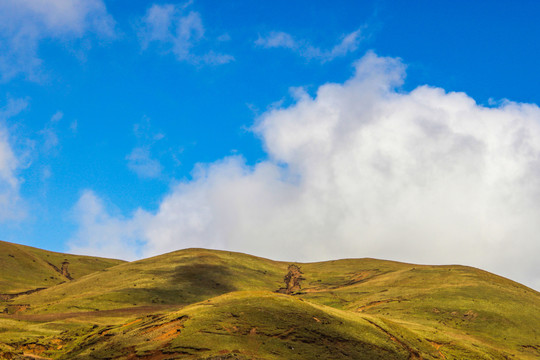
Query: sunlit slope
[
  {"x": 225, "y": 301},
  {"x": 264, "y": 325},
  {"x": 182, "y": 277},
  {"x": 441, "y": 303},
  {"x": 245, "y": 325},
  {"x": 24, "y": 268}
]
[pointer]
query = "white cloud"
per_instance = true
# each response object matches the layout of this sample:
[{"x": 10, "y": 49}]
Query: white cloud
[
  {"x": 50, "y": 139},
  {"x": 276, "y": 39},
  {"x": 49, "y": 133},
  {"x": 224, "y": 37},
  {"x": 367, "y": 170},
  {"x": 348, "y": 44},
  {"x": 9, "y": 183},
  {"x": 175, "y": 30},
  {"x": 57, "y": 116},
  {"x": 25, "y": 23},
  {"x": 212, "y": 58},
  {"x": 74, "y": 126},
  {"x": 13, "y": 108},
  {"x": 102, "y": 234},
  {"x": 141, "y": 162},
  {"x": 10, "y": 202}
]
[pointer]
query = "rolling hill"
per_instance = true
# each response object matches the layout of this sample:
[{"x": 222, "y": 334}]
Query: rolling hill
[
  {"x": 208, "y": 304},
  {"x": 25, "y": 268}
]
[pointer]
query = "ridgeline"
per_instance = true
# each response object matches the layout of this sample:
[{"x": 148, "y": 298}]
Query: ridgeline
[{"x": 208, "y": 304}]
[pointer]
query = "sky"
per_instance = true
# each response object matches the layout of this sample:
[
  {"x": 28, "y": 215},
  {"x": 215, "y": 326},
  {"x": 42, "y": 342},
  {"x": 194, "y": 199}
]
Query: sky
[{"x": 297, "y": 131}]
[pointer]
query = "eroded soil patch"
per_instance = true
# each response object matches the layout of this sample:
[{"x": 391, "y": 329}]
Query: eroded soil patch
[
  {"x": 413, "y": 354},
  {"x": 292, "y": 280},
  {"x": 375, "y": 303}
]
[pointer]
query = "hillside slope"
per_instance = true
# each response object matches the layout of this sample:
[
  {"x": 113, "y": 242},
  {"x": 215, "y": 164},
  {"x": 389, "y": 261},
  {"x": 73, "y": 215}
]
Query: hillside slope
[
  {"x": 207, "y": 304},
  {"x": 24, "y": 268}
]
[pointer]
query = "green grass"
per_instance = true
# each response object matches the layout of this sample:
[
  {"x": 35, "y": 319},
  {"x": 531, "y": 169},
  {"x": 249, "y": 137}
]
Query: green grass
[
  {"x": 182, "y": 277},
  {"x": 26, "y": 268},
  {"x": 206, "y": 304}
]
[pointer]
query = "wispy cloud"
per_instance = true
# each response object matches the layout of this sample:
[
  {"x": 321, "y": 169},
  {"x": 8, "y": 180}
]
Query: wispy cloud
[
  {"x": 366, "y": 169},
  {"x": 24, "y": 24},
  {"x": 50, "y": 132},
  {"x": 348, "y": 44},
  {"x": 140, "y": 159},
  {"x": 277, "y": 39},
  {"x": 141, "y": 162},
  {"x": 11, "y": 207},
  {"x": 175, "y": 30},
  {"x": 57, "y": 116}
]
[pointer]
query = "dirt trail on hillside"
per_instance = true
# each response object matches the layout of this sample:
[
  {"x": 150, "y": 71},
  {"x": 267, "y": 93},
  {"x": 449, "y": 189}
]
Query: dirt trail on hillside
[
  {"x": 7, "y": 297},
  {"x": 36, "y": 357},
  {"x": 354, "y": 279},
  {"x": 375, "y": 303},
  {"x": 99, "y": 313},
  {"x": 413, "y": 354}
]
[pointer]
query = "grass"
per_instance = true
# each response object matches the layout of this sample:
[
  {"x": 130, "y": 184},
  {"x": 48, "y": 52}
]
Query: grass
[
  {"x": 25, "y": 268},
  {"x": 205, "y": 304}
]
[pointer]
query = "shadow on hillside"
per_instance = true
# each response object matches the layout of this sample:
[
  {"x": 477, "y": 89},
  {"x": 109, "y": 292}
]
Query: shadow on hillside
[
  {"x": 185, "y": 284},
  {"x": 205, "y": 279}
]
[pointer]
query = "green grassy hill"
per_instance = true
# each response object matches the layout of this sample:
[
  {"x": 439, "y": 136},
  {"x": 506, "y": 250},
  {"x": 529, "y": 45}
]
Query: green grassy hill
[
  {"x": 24, "y": 268},
  {"x": 206, "y": 304}
]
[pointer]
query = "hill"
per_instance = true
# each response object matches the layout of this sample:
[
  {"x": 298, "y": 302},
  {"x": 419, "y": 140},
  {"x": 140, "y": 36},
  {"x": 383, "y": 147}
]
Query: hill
[
  {"x": 25, "y": 268},
  {"x": 207, "y": 304}
]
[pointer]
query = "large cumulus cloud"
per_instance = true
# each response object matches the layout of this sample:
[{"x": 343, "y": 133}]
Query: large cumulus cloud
[{"x": 364, "y": 169}]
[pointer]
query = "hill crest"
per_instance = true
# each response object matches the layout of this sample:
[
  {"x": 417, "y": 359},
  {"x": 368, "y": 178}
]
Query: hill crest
[{"x": 212, "y": 304}]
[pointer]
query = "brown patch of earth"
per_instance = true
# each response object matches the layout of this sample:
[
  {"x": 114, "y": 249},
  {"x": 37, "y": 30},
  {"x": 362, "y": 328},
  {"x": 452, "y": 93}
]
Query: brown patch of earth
[
  {"x": 7, "y": 297},
  {"x": 29, "y": 351},
  {"x": 59, "y": 343},
  {"x": 132, "y": 322},
  {"x": 292, "y": 280},
  {"x": 375, "y": 303},
  {"x": 166, "y": 332},
  {"x": 470, "y": 315},
  {"x": 115, "y": 312},
  {"x": 15, "y": 308},
  {"x": 32, "y": 356},
  {"x": 413, "y": 354},
  {"x": 286, "y": 335},
  {"x": 356, "y": 278},
  {"x": 155, "y": 355},
  {"x": 231, "y": 330},
  {"x": 360, "y": 277},
  {"x": 437, "y": 347}
]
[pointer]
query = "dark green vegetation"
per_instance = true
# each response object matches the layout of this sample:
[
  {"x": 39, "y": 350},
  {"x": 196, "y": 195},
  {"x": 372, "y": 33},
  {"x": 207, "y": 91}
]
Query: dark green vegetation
[{"x": 206, "y": 304}]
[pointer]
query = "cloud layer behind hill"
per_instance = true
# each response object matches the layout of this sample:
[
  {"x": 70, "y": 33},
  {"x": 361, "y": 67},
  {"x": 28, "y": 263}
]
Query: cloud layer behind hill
[{"x": 362, "y": 169}]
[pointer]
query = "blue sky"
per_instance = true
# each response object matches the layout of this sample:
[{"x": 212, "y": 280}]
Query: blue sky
[{"x": 121, "y": 120}]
